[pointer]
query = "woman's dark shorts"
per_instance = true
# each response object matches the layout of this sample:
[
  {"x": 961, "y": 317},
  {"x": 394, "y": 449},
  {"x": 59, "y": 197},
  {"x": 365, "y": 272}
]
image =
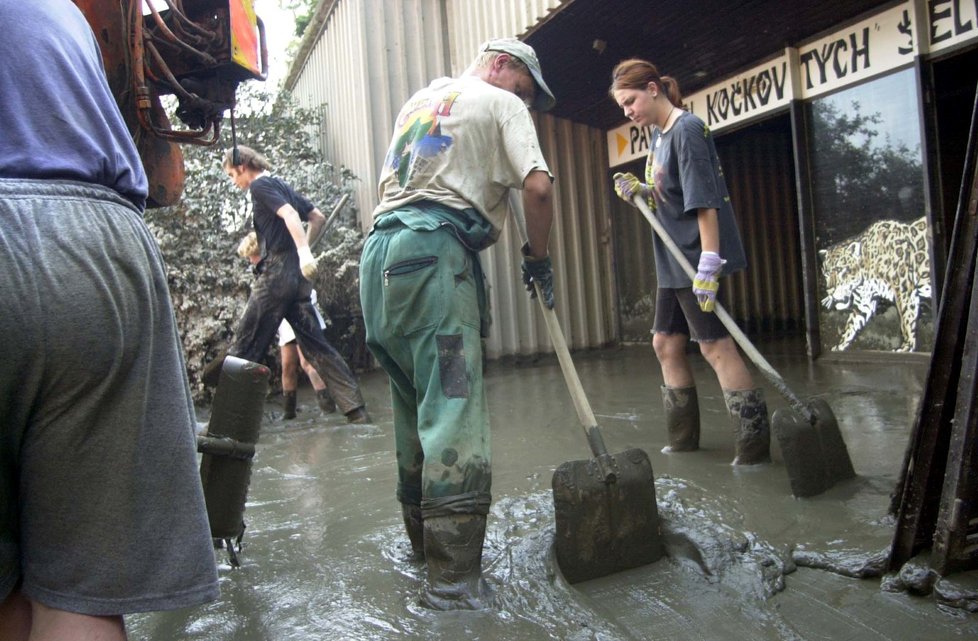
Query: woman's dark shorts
[{"x": 678, "y": 312}]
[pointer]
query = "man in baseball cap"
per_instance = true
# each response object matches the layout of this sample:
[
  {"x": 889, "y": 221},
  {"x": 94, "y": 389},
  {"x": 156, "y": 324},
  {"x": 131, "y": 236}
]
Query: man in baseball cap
[
  {"x": 459, "y": 146},
  {"x": 524, "y": 53}
]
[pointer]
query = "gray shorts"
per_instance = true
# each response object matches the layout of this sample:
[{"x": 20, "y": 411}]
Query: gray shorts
[
  {"x": 678, "y": 312},
  {"x": 101, "y": 506}
]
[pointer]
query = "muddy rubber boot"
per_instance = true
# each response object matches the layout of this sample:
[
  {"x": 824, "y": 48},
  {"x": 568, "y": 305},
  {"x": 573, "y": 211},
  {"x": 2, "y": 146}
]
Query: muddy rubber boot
[
  {"x": 752, "y": 429},
  {"x": 415, "y": 530},
  {"x": 682, "y": 419},
  {"x": 358, "y": 416},
  {"x": 453, "y": 551},
  {"x": 211, "y": 374},
  {"x": 288, "y": 405},
  {"x": 326, "y": 402}
]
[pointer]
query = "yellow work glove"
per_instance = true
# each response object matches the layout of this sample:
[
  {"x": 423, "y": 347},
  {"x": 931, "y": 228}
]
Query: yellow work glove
[
  {"x": 307, "y": 263},
  {"x": 628, "y": 185},
  {"x": 706, "y": 283}
]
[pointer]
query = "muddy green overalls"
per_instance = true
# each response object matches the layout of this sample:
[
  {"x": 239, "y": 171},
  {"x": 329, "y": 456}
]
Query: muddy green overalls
[{"x": 424, "y": 306}]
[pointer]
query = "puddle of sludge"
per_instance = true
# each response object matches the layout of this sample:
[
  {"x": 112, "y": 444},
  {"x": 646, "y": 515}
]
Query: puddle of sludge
[{"x": 324, "y": 554}]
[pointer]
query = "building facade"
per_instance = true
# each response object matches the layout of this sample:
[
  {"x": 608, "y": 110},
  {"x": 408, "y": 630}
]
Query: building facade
[{"x": 841, "y": 127}]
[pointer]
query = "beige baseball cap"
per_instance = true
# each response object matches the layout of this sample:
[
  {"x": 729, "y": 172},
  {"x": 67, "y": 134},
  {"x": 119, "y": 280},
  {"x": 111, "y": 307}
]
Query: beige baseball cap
[{"x": 524, "y": 53}]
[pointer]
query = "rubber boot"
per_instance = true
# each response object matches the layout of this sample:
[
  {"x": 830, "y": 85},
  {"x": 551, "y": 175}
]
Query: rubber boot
[
  {"x": 682, "y": 418},
  {"x": 453, "y": 551},
  {"x": 288, "y": 404},
  {"x": 358, "y": 415},
  {"x": 211, "y": 374},
  {"x": 326, "y": 402},
  {"x": 415, "y": 530},
  {"x": 752, "y": 430}
]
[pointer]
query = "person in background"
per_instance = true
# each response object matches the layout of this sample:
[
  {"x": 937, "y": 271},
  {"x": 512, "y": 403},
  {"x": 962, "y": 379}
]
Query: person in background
[
  {"x": 289, "y": 352},
  {"x": 101, "y": 507},
  {"x": 282, "y": 289},
  {"x": 684, "y": 187},
  {"x": 459, "y": 146}
]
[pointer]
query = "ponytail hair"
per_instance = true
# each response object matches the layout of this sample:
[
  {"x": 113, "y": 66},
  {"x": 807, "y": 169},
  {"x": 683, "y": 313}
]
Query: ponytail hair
[
  {"x": 637, "y": 74},
  {"x": 248, "y": 157}
]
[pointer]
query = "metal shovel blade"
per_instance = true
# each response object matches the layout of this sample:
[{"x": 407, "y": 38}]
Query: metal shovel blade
[
  {"x": 815, "y": 454},
  {"x": 605, "y": 525}
]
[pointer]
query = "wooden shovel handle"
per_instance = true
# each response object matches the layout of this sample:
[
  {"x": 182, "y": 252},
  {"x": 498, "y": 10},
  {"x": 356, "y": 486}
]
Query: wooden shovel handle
[
  {"x": 327, "y": 226},
  {"x": 725, "y": 318},
  {"x": 574, "y": 387}
]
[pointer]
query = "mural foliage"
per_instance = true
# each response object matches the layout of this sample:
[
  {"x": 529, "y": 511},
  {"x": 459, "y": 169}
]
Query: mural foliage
[
  {"x": 871, "y": 232},
  {"x": 208, "y": 281}
]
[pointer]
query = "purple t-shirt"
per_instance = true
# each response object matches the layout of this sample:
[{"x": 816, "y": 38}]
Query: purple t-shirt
[{"x": 58, "y": 118}]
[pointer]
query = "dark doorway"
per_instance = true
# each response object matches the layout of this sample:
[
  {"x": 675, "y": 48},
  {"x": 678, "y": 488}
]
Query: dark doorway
[
  {"x": 768, "y": 298},
  {"x": 955, "y": 80}
]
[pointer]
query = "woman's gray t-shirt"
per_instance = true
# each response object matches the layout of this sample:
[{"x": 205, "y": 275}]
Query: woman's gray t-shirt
[{"x": 684, "y": 172}]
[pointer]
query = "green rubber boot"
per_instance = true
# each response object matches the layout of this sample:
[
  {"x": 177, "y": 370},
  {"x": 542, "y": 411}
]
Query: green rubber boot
[
  {"x": 752, "y": 430},
  {"x": 453, "y": 551},
  {"x": 415, "y": 529},
  {"x": 288, "y": 405},
  {"x": 682, "y": 418}
]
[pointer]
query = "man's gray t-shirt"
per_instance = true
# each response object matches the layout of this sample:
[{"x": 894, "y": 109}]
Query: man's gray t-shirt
[{"x": 684, "y": 172}]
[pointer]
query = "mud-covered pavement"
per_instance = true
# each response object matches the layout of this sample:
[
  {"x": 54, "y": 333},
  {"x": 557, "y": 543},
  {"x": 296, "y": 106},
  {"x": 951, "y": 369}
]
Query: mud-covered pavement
[{"x": 324, "y": 552}]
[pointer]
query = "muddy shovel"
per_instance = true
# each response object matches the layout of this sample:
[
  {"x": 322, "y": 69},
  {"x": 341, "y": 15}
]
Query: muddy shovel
[
  {"x": 815, "y": 454},
  {"x": 605, "y": 510}
]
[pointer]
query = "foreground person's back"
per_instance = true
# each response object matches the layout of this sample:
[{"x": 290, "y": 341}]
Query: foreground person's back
[{"x": 101, "y": 509}]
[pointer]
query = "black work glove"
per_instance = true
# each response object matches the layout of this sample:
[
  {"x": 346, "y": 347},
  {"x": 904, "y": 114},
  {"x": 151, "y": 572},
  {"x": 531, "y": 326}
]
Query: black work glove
[{"x": 541, "y": 272}]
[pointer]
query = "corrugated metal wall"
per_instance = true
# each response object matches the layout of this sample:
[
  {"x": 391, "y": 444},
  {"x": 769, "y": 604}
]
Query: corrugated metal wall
[
  {"x": 768, "y": 297},
  {"x": 369, "y": 56},
  {"x": 473, "y": 22},
  {"x": 579, "y": 245}
]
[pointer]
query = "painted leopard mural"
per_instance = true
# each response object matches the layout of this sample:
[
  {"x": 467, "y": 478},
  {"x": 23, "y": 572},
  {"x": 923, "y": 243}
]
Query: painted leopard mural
[{"x": 890, "y": 261}]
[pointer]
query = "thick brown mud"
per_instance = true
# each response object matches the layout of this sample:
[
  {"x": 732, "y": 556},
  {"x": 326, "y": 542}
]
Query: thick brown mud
[{"x": 325, "y": 556}]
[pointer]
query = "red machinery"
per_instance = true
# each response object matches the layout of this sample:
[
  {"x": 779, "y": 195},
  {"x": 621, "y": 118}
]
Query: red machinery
[{"x": 198, "y": 51}]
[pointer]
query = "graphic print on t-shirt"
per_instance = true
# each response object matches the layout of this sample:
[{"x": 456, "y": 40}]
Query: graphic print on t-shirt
[{"x": 420, "y": 135}]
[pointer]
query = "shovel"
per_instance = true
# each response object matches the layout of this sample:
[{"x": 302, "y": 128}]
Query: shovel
[
  {"x": 814, "y": 452},
  {"x": 605, "y": 509},
  {"x": 328, "y": 225}
]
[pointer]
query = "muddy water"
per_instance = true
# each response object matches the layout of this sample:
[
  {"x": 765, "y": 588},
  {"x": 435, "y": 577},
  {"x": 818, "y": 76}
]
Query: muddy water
[{"x": 324, "y": 555}]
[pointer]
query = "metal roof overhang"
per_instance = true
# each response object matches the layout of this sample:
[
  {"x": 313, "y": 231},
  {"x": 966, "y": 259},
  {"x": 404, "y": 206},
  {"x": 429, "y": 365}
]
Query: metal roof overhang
[{"x": 698, "y": 42}]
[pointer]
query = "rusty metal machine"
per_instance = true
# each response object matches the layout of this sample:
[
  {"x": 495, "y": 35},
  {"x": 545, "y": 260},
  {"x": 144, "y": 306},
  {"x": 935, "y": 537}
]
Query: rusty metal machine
[{"x": 199, "y": 51}]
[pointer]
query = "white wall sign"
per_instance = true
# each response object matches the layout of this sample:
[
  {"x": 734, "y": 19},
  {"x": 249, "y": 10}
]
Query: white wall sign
[
  {"x": 628, "y": 142},
  {"x": 952, "y": 22},
  {"x": 865, "y": 49},
  {"x": 760, "y": 90},
  {"x": 868, "y": 48}
]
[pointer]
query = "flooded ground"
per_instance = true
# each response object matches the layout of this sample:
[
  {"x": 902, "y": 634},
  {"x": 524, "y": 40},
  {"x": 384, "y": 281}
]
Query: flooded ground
[{"x": 324, "y": 555}]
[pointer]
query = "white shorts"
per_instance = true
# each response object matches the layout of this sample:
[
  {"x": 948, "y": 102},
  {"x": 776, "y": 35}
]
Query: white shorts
[{"x": 285, "y": 333}]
